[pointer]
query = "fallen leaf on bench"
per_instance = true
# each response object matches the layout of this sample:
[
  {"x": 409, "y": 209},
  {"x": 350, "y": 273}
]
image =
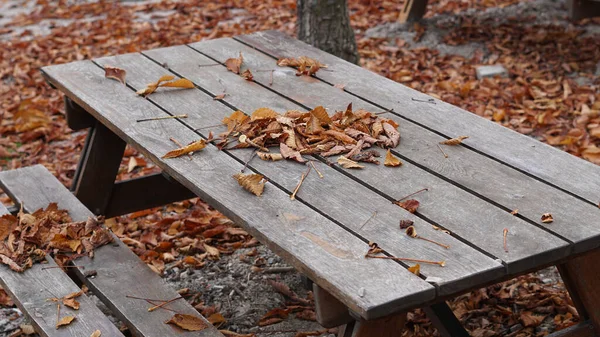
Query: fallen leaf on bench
[
  {"x": 179, "y": 83},
  {"x": 65, "y": 321},
  {"x": 304, "y": 64},
  {"x": 8, "y": 223},
  {"x": 62, "y": 242},
  {"x": 192, "y": 147},
  {"x": 234, "y": 64},
  {"x": 416, "y": 269},
  {"x": 288, "y": 153},
  {"x": 547, "y": 218},
  {"x": 274, "y": 316},
  {"x": 410, "y": 205},
  {"x": 454, "y": 141},
  {"x": 253, "y": 183},
  {"x": 71, "y": 303},
  {"x": 269, "y": 156},
  {"x": 115, "y": 73},
  {"x": 349, "y": 164},
  {"x": 96, "y": 333},
  {"x": 10, "y": 263},
  {"x": 390, "y": 160},
  {"x": 247, "y": 75},
  {"x": 164, "y": 82},
  {"x": 188, "y": 322},
  {"x": 404, "y": 224}
]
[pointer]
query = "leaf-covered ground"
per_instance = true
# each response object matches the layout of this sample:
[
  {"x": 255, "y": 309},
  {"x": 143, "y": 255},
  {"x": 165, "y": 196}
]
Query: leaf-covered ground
[{"x": 551, "y": 94}]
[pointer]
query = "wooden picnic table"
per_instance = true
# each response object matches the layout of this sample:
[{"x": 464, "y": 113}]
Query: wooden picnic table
[{"x": 325, "y": 232}]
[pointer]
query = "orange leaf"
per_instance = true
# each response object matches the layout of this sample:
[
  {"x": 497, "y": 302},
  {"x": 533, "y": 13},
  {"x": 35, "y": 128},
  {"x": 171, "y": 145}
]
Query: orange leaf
[
  {"x": 188, "y": 322},
  {"x": 72, "y": 303},
  {"x": 192, "y": 147},
  {"x": 65, "y": 321},
  {"x": 247, "y": 75},
  {"x": 216, "y": 319},
  {"x": 234, "y": 64},
  {"x": 410, "y": 205},
  {"x": 253, "y": 183},
  {"x": 179, "y": 83},
  {"x": 96, "y": 333},
  {"x": 547, "y": 218},
  {"x": 390, "y": 160},
  {"x": 263, "y": 113},
  {"x": 115, "y": 73},
  {"x": 416, "y": 269},
  {"x": 274, "y": 316},
  {"x": 454, "y": 141}
]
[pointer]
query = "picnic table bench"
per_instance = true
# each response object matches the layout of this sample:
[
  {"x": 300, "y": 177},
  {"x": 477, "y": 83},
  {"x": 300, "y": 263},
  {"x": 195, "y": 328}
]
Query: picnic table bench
[{"x": 326, "y": 231}]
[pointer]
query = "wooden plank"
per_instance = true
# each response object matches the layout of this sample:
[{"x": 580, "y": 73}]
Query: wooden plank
[
  {"x": 31, "y": 290},
  {"x": 444, "y": 320},
  {"x": 77, "y": 118},
  {"x": 118, "y": 271},
  {"x": 145, "y": 192},
  {"x": 413, "y": 10},
  {"x": 465, "y": 265},
  {"x": 98, "y": 168},
  {"x": 584, "y": 282},
  {"x": 470, "y": 170},
  {"x": 390, "y": 326},
  {"x": 444, "y": 204},
  {"x": 584, "y": 329},
  {"x": 491, "y": 139},
  {"x": 315, "y": 245},
  {"x": 330, "y": 312}
]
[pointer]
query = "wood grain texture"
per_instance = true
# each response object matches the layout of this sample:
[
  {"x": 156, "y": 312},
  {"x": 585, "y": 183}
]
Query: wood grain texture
[
  {"x": 330, "y": 312},
  {"x": 464, "y": 264},
  {"x": 31, "y": 289},
  {"x": 462, "y": 213},
  {"x": 119, "y": 271},
  {"x": 315, "y": 245},
  {"x": 507, "y": 146}
]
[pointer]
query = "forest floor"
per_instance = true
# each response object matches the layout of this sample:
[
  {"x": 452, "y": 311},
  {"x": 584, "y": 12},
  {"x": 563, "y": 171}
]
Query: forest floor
[{"x": 551, "y": 94}]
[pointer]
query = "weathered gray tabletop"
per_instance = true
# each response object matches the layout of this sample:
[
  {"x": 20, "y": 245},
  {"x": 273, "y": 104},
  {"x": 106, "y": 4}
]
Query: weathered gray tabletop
[{"x": 323, "y": 233}]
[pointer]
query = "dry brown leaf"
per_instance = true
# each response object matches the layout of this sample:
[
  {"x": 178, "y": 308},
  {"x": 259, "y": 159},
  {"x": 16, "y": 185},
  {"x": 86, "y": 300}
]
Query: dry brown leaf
[
  {"x": 288, "y": 153},
  {"x": 71, "y": 303},
  {"x": 515, "y": 211},
  {"x": 274, "y": 316},
  {"x": 454, "y": 141},
  {"x": 65, "y": 321},
  {"x": 416, "y": 269},
  {"x": 216, "y": 319},
  {"x": 321, "y": 114},
  {"x": 269, "y": 156},
  {"x": 247, "y": 75},
  {"x": 234, "y": 64},
  {"x": 192, "y": 147},
  {"x": 8, "y": 223},
  {"x": 305, "y": 65},
  {"x": 10, "y": 263},
  {"x": 228, "y": 333},
  {"x": 411, "y": 231},
  {"x": 348, "y": 164},
  {"x": 547, "y": 218},
  {"x": 188, "y": 322},
  {"x": 115, "y": 73},
  {"x": 236, "y": 118},
  {"x": 74, "y": 295},
  {"x": 390, "y": 160},
  {"x": 253, "y": 183},
  {"x": 179, "y": 83},
  {"x": 392, "y": 133},
  {"x": 220, "y": 96},
  {"x": 404, "y": 224},
  {"x": 374, "y": 248},
  {"x": 28, "y": 118},
  {"x": 263, "y": 113},
  {"x": 528, "y": 318},
  {"x": 410, "y": 205},
  {"x": 164, "y": 82},
  {"x": 96, "y": 333}
]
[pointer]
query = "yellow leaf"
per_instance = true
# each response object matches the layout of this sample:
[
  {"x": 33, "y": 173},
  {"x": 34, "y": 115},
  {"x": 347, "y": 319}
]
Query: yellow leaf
[
  {"x": 71, "y": 303},
  {"x": 188, "y": 322},
  {"x": 150, "y": 88},
  {"x": 253, "y": 183},
  {"x": 416, "y": 269},
  {"x": 390, "y": 160},
  {"x": 115, "y": 73},
  {"x": 454, "y": 141},
  {"x": 547, "y": 218},
  {"x": 74, "y": 295},
  {"x": 192, "y": 147},
  {"x": 180, "y": 83},
  {"x": 234, "y": 64},
  {"x": 96, "y": 333},
  {"x": 65, "y": 321},
  {"x": 347, "y": 163},
  {"x": 236, "y": 118}
]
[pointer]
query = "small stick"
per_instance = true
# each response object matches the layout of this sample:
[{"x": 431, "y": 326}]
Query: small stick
[
  {"x": 57, "y": 313},
  {"x": 160, "y": 118},
  {"x": 410, "y": 195},
  {"x": 440, "y": 263},
  {"x": 505, "y": 245},
  {"x": 144, "y": 299},
  {"x": 249, "y": 160},
  {"x": 209, "y": 65},
  {"x": 384, "y": 112},
  {"x": 437, "y": 243},
  {"x": 81, "y": 267},
  {"x": 430, "y": 100},
  {"x": 271, "y": 80},
  {"x": 163, "y": 304},
  {"x": 293, "y": 196},
  {"x": 444, "y": 153},
  {"x": 179, "y": 144},
  {"x": 369, "y": 219},
  {"x": 319, "y": 173}
]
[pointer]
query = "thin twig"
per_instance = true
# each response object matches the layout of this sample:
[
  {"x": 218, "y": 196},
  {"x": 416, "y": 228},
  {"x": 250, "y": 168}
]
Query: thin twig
[
  {"x": 505, "y": 244},
  {"x": 428, "y": 240},
  {"x": 384, "y": 112},
  {"x": 440, "y": 263},
  {"x": 312, "y": 163},
  {"x": 163, "y": 304},
  {"x": 57, "y": 313},
  {"x": 209, "y": 65},
  {"x": 144, "y": 299},
  {"x": 304, "y": 175},
  {"x": 180, "y": 145},
  {"x": 81, "y": 267},
  {"x": 369, "y": 219},
  {"x": 430, "y": 100},
  {"x": 444, "y": 153},
  {"x": 271, "y": 80},
  {"x": 410, "y": 195},
  {"x": 161, "y": 118},
  {"x": 249, "y": 160}
]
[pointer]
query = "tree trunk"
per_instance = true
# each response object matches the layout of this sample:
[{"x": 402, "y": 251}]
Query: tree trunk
[{"x": 325, "y": 24}]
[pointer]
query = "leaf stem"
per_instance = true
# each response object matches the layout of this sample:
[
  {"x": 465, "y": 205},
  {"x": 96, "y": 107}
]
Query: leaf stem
[
  {"x": 440, "y": 263},
  {"x": 410, "y": 195},
  {"x": 304, "y": 175},
  {"x": 369, "y": 219},
  {"x": 160, "y": 118},
  {"x": 163, "y": 304},
  {"x": 444, "y": 153}
]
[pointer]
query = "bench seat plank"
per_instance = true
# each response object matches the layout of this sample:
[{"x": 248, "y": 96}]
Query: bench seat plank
[
  {"x": 491, "y": 139},
  {"x": 449, "y": 206},
  {"x": 31, "y": 290},
  {"x": 119, "y": 272},
  {"x": 464, "y": 266},
  {"x": 315, "y": 245}
]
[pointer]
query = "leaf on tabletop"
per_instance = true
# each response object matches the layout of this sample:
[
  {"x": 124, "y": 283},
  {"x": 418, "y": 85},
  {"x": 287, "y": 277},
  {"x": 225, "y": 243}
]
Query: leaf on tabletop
[
  {"x": 10, "y": 263},
  {"x": 374, "y": 248},
  {"x": 369, "y": 156},
  {"x": 220, "y": 96},
  {"x": 288, "y": 153},
  {"x": 8, "y": 223},
  {"x": 274, "y": 316},
  {"x": 71, "y": 303},
  {"x": 340, "y": 136},
  {"x": 340, "y": 86},
  {"x": 515, "y": 211},
  {"x": 179, "y": 83},
  {"x": 253, "y": 183},
  {"x": 454, "y": 141},
  {"x": 348, "y": 164},
  {"x": 321, "y": 114},
  {"x": 392, "y": 133},
  {"x": 411, "y": 231},
  {"x": 62, "y": 242},
  {"x": 96, "y": 333},
  {"x": 236, "y": 118},
  {"x": 115, "y": 73},
  {"x": 390, "y": 160},
  {"x": 151, "y": 87},
  {"x": 305, "y": 65},
  {"x": 247, "y": 75},
  {"x": 269, "y": 156},
  {"x": 74, "y": 295},
  {"x": 416, "y": 269},
  {"x": 65, "y": 321},
  {"x": 192, "y": 147},
  {"x": 188, "y": 322},
  {"x": 263, "y": 113},
  {"x": 410, "y": 205},
  {"x": 547, "y": 218},
  {"x": 404, "y": 224},
  {"x": 234, "y": 64}
]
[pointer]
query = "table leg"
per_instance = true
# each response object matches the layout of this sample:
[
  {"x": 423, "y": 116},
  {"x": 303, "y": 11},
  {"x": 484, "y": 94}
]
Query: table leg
[
  {"x": 580, "y": 9},
  {"x": 390, "y": 326},
  {"x": 445, "y": 321},
  {"x": 583, "y": 280},
  {"x": 98, "y": 168},
  {"x": 330, "y": 312}
]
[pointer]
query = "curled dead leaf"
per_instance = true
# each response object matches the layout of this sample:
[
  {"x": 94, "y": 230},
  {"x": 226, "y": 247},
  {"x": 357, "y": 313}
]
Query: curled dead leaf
[
  {"x": 410, "y": 205},
  {"x": 253, "y": 183},
  {"x": 288, "y": 153},
  {"x": 374, "y": 248},
  {"x": 390, "y": 160},
  {"x": 71, "y": 303},
  {"x": 115, "y": 73},
  {"x": 269, "y": 156},
  {"x": 164, "y": 82},
  {"x": 188, "y": 322},
  {"x": 65, "y": 321},
  {"x": 416, "y": 269},
  {"x": 515, "y": 211},
  {"x": 263, "y": 113},
  {"x": 547, "y": 218},
  {"x": 454, "y": 141},
  {"x": 404, "y": 224},
  {"x": 274, "y": 316},
  {"x": 192, "y": 147},
  {"x": 348, "y": 164},
  {"x": 234, "y": 64},
  {"x": 247, "y": 75},
  {"x": 411, "y": 231}
]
